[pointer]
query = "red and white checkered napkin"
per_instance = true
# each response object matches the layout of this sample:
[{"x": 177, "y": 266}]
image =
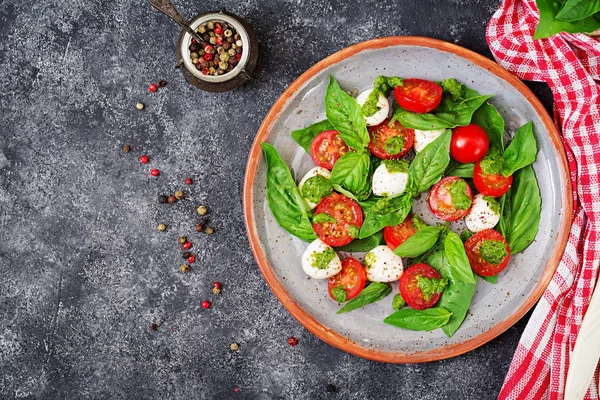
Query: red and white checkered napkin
[{"x": 570, "y": 65}]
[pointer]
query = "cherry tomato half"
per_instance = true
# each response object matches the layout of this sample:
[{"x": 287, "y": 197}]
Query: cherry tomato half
[
  {"x": 396, "y": 235},
  {"x": 441, "y": 202},
  {"x": 346, "y": 212},
  {"x": 410, "y": 291},
  {"x": 479, "y": 265},
  {"x": 326, "y": 148},
  {"x": 352, "y": 278},
  {"x": 469, "y": 143},
  {"x": 418, "y": 95},
  {"x": 382, "y": 139},
  {"x": 494, "y": 185}
]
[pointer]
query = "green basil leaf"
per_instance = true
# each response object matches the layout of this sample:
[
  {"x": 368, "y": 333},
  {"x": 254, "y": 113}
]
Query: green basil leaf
[
  {"x": 345, "y": 115},
  {"x": 419, "y": 320},
  {"x": 492, "y": 123},
  {"x": 454, "y": 251},
  {"x": 429, "y": 164},
  {"x": 491, "y": 279},
  {"x": 285, "y": 200},
  {"x": 576, "y": 10},
  {"x": 465, "y": 235},
  {"x": 385, "y": 212},
  {"x": 419, "y": 243},
  {"x": 522, "y": 209},
  {"x": 304, "y": 137},
  {"x": 398, "y": 302},
  {"x": 521, "y": 151},
  {"x": 352, "y": 173},
  {"x": 366, "y": 244},
  {"x": 459, "y": 169},
  {"x": 339, "y": 294},
  {"x": 549, "y": 25},
  {"x": 505, "y": 215},
  {"x": 457, "y": 297},
  {"x": 370, "y": 294}
]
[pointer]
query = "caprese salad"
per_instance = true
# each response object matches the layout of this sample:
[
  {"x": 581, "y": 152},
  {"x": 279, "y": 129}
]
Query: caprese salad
[{"x": 374, "y": 155}]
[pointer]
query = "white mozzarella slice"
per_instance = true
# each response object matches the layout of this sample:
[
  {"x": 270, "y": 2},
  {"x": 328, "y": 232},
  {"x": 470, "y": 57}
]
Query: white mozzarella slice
[
  {"x": 481, "y": 216},
  {"x": 423, "y": 138},
  {"x": 386, "y": 183},
  {"x": 311, "y": 254},
  {"x": 382, "y": 265},
  {"x": 313, "y": 172},
  {"x": 382, "y": 103}
]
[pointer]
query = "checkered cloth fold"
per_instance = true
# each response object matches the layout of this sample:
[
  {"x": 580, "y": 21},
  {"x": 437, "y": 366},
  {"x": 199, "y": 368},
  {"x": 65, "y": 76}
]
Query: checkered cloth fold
[{"x": 569, "y": 63}]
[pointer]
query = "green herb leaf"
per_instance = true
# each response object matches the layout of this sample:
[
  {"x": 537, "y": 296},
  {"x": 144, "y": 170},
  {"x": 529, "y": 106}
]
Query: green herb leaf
[
  {"x": 429, "y": 164},
  {"x": 370, "y": 294},
  {"x": 454, "y": 251},
  {"x": 304, "y": 137},
  {"x": 352, "y": 173},
  {"x": 465, "y": 235},
  {"x": 492, "y": 123},
  {"x": 453, "y": 88},
  {"x": 459, "y": 169},
  {"x": 419, "y": 320},
  {"x": 549, "y": 25},
  {"x": 385, "y": 212},
  {"x": 344, "y": 113},
  {"x": 522, "y": 208},
  {"x": 521, "y": 151},
  {"x": 353, "y": 231},
  {"x": 398, "y": 302},
  {"x": 419, "y": 243},
  {"x": 505, "y": 215},
  {"x": 491, "y": 279},
  {"x": 339, "y": 294},
  {"x": 576, "y": 10},
  {"x": 285, "y": 200},
  {"x": 366, "y": 244}
]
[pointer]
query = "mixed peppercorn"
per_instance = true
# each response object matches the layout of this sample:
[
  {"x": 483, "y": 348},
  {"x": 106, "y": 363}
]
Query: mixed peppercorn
[{"x": 220, "y": 51}]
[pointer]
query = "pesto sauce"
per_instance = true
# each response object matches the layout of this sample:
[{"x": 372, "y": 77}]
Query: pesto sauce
[
  {"x": 315, "y": 188},
  {"x": 492, "y": 163},
  {"x": 370, "y": 260},
  {"x": 395, "y": 166},
  {"x": 353, "y": 231},
  {"x": 381, "y": 85},
  {"x": 458, "y": 193},
  {"x": 323, "y": 218},
  {"x": 321, "y": 260},
  {"x": 394, "y": 145},
  {"x": 418, "y": 223},
  {"x": 431, "y": 286},
  {"x": 493, "y": 251},
  {"x": 492, "y": 204}
]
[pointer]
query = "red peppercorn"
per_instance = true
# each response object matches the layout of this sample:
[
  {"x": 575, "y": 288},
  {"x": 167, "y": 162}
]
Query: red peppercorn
[
  {"x": 217, "y": 285},
  {"x": 219, "y": 40},
  {"x": 292, "y": 341},
  {"x": 188, "y": 181},
  {"x": 194, "y": 41},
  {"x": 218, "y": 25},
  {"x": 153, "y": 87},
  {"x": 238, "y": 56},
  {"x": 205, "y": 71},
  {"x": 155, "y": 172},
  {"x": 144, "y": 159},
  {"x": 208, "y": 56},
  {"x": 218, "y": 31},
  {"x": 187, "y": 245},
  {"x": 205, "y": 304},
  {"x": 208, "y": 48},
  {"x": 191, "y": 258},
  {"x": 236, "y": 390}
]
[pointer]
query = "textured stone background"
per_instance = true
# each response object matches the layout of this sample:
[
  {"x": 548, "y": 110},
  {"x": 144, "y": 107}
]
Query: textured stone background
[{"x": 84, "y": 272}]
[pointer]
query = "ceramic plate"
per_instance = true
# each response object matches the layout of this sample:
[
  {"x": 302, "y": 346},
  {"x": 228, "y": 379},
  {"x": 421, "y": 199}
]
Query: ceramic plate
[{"x": 362, "y": 332}]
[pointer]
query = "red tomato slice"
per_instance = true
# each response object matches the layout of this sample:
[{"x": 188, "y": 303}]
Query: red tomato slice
[
  {"x": 440, "y": 199},
  {"x": 479, "y": 265},
  {"x": 469, "y": 143},
  {"x": 380, "y": 134},
  {"x": 345, "y": 211},
  {"x": 352, "y": 277},
  {"x": 326, "y": 148},
  {"x": 494, "y": 185},
  {"x": 418, "y": 95},
  {"x": 396, "y": 235},
  {"x": 410, "y": 291}
]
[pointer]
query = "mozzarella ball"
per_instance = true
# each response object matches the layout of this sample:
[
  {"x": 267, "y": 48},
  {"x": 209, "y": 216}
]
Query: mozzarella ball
[
  {"x": 423, "y": 138},
  {"x": 484, "y": 213},
  {"x": 383, "y": 265},
  {"x": 313, "y": 172},
  {"x": 314, "y": 257},
  {"x": 382, "y": 103},
  {"x": 386, "y": 183}
]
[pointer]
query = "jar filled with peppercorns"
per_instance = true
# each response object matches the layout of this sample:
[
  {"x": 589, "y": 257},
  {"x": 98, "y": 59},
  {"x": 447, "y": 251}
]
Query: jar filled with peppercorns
[{"x": 225, "y": 58}]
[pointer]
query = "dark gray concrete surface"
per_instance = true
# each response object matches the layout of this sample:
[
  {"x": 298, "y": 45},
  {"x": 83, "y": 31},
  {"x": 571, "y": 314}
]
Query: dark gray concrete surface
[{"x": 83, "y": 270}]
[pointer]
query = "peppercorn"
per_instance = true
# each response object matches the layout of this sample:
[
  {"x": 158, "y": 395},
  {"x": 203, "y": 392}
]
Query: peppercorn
[
  {"x": 229, "y": 40},
  {"x": 154, "y": 172},
  {"x": 205, "y": 37},
  {"x": 228, "y": 32},
  {"x": 229, "y": 67},
  {"x": 234, "y": 347},
  {"x": 202, "y": 220},
  {"x": 237, "y": 36},
  {"x": 188, "y": 181},
  {"x": 331, "y": 388},
  {"x": 161, "y": 227},
  {"x": 212, "y": 71},
  {"x": 172, "y": 199},
  {"x": 193, "y": 47},
  {"x": 153, "y": 87},
  {"x": 192, "y": 259},
  {"x": 226, "y": 45},
  {"x": 210, "y": 25},
  {"x": 162, "y": 199},
  {"x": 154, "y": 327},
  {"x": 219, "y": 31},
  {"x": 199, "y": 228},
  {"x": 238, "y": 56},
  {"x": 224, "y": 57},
  {"x": 126, "y": 148},
  {"x": 182, "y": 239},
  {"x": 212, "y": 40},
  {"x": 205, "y": 304},
  {"x": 209, "y": 231},
  {"x": 139, "y": 106},
  {"x": 292, "y": 341},
  {"x": 236, "y": 390},
  {"x": 144, "y": 159},
  {"x": 223, "y": 65},
  {"x": 202, "y": 28},
  {"x": 216, "y": 291},
  {"x": 179, "y": 194},
  {"x": 217, "y": 285},
  {"x": 187, "y": 245},
  {"x": 185, "y": 268},
  {"x": 194, "y": 55},
  {"x": 220, "y": 50},
  {"x": 205, "y": 71},
  {"x": 186, "y": 254},
  {"x": 194, "y": 61},
  {"x": 231, "y": 52},
  {"x": 202, "y": 210},
  {"x": 162, "y": 83},
  {"x": 219, "y": 40},
  {"x": 208, "y": 56},
  {"x": 194, "y": 41}
]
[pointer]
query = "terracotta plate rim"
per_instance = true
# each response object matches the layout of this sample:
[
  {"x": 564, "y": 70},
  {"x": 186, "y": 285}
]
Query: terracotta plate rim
[{"x": 332, "y": 337}]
